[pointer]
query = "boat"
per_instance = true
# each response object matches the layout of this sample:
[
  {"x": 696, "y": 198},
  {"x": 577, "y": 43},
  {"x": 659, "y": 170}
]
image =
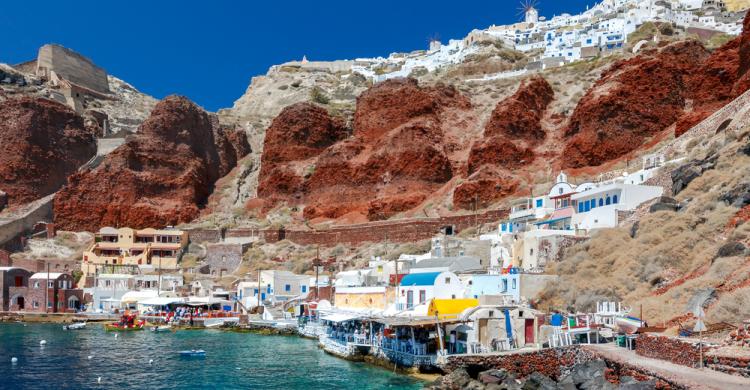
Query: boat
[
  {"x": 75, "y": 326},
  {"x": 161, "y": 328},
  {"x": 127, "y": 322},
  {"x": 193, "y": 353},
  {"x": 628, "y": 324}
]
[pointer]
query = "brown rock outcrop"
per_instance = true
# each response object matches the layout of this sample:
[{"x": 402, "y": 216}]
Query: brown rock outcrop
[
  {"x": 498, "y": 151},
  {"x": 483, "y": 188},
  {"x": 513, "y": 128},
  {"x": 300, "y": 132},
  {"x": 635, "y": 99},
  {"x": 393, "y": 160},
  {"x": 744, "y": 47},
  {"x": 162, "y": 176},
  {"x": 42, "y": 143},
  {"x": 519, "y": 116},
  {"x": 392, "y": 103}
]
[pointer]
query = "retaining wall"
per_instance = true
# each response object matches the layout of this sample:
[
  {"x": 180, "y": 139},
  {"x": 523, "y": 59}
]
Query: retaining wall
[
  {"x": 13, "y": 227},
  {"x": 671, "y": 349},
  {"x": 554, "y": 363},
  {"x": 407, "y": 230},
  {"x": 687, "y": 353}
]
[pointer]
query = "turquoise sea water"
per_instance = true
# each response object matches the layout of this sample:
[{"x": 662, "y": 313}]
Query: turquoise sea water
[{"x": 233, "y": 361}]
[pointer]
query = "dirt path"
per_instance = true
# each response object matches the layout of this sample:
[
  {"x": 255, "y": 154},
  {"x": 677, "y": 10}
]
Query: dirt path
[{"x": 689, "y": 377}]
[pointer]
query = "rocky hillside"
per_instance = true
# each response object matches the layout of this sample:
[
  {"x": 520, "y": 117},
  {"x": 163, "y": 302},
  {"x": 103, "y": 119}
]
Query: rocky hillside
[
  {"x": 442, "y": 142},
  {"x": 161, "y": 176},
  {"x": 43, "y": 142},
  {"x": 679, "y": 254}
]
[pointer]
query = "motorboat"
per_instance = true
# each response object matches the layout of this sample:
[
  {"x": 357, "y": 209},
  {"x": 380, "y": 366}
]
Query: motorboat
[
  {"x": 193, "y": 353},
  {"x": 75, "y": 326},
  {"x": 161, "y": 328},
  {"x": 127, "y": 323}
]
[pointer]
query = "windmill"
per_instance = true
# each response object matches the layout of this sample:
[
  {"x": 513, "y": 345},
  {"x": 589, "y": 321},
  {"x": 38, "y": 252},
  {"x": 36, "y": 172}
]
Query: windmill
[
  {"x": 529, "y": 11},
  {"x": 433, "y": 41}
]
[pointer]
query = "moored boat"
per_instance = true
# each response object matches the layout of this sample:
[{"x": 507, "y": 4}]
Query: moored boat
[
  {"x": 75, "y": 326},
  {"x": 628, "y": 324},
  {"x": 161, "y": 328},
  {"x": 127, "y": 323},
  {"x": 193, "y": 353}
]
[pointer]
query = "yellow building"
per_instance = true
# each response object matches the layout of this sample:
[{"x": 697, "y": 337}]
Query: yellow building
[
  {"x": 116, "y": 250},
  {"x": 364, "y": 298}
]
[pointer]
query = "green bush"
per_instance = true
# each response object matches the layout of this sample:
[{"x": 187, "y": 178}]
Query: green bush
[{"x": 318, "y": 96}]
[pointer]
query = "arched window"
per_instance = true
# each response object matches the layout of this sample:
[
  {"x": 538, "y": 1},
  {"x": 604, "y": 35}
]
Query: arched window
[
  {"x": 614, "y": 199},
  {"x": 609, "y": 200},
  {"x": 601, "y": 202}
]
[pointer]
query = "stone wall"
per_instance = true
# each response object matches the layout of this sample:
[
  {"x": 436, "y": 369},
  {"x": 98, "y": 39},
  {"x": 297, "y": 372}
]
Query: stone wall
[
  {"x": 687, "y": 353},
  {"x": 11, "y": 228},
  {"x": 405, "y": 230},
  {"x": 72, "y": 67},
  {"x": 106, "y": 145},
  {"x": 734, "y": 365},
  {"x": 224, "y": 258},
  {"x": 671, "y": 349},
  {"x": 552, "y": 362},
  {"x": 552, "y": 248},
  {"x": 40, "y": 265}
]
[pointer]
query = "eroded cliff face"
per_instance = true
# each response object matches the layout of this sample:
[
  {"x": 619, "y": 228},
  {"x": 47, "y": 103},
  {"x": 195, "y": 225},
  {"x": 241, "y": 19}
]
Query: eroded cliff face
[
  {"x": 161, "y": 176},
  {"x": 402, "y": 150},
  {"x": 393, "y": 159},
  {"x": 638, "y": 98},
  {"x": 42, "y": 143}
]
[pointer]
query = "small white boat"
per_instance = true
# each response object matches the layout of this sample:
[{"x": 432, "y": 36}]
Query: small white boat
[
  {"x": 161, "y": 328},
  {"x": 193, "y": 353},
  {"x": 76, "y": 326}
]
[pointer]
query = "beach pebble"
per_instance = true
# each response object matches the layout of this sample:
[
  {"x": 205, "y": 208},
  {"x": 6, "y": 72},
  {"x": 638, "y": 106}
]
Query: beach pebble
[{"x": 14, "y": 360}]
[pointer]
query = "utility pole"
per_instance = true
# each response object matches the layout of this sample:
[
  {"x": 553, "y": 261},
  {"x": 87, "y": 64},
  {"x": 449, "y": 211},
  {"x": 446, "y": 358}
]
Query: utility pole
[
  {"x": 257, "y": 298},
  {"x": 46, "y": 292},
  {"x": 158, "y": 287},
  {"x": 316, "y": 264}
]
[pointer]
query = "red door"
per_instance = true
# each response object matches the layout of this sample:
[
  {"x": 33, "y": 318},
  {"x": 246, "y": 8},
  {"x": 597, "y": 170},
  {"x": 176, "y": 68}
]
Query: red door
[{"x": 529, "y": 330}]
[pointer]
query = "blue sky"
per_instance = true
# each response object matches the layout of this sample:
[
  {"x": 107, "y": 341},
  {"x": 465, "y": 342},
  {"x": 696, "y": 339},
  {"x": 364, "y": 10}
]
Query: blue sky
[{"x": 208, "y": 51}]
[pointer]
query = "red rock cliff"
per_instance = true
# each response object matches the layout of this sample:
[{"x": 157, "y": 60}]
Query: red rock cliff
[
  {"x": 42, "y": 143},
  {"x": 162, "y": 176},
  {"x": 393, "y": 160}
]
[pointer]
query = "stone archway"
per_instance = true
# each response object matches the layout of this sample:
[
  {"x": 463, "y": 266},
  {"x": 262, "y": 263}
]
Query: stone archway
[
  {"x": 18, "y": 302},
  {"x": 74, "y": 302}
]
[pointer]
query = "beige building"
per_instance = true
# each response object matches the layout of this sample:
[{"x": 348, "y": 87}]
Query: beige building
[
  {"x": 376, "y": 298},
  {"x": 124, "y": 250}
]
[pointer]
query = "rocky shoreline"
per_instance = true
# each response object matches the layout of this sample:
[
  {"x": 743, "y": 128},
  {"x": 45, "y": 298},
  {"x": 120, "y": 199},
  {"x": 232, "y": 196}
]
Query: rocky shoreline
[{"x": 590, "y": 375}]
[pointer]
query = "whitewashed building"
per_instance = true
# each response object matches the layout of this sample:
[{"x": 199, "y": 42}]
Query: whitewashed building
[
  {"x": 598, "y": 207},
  {"x": 416, "y": 290}
]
